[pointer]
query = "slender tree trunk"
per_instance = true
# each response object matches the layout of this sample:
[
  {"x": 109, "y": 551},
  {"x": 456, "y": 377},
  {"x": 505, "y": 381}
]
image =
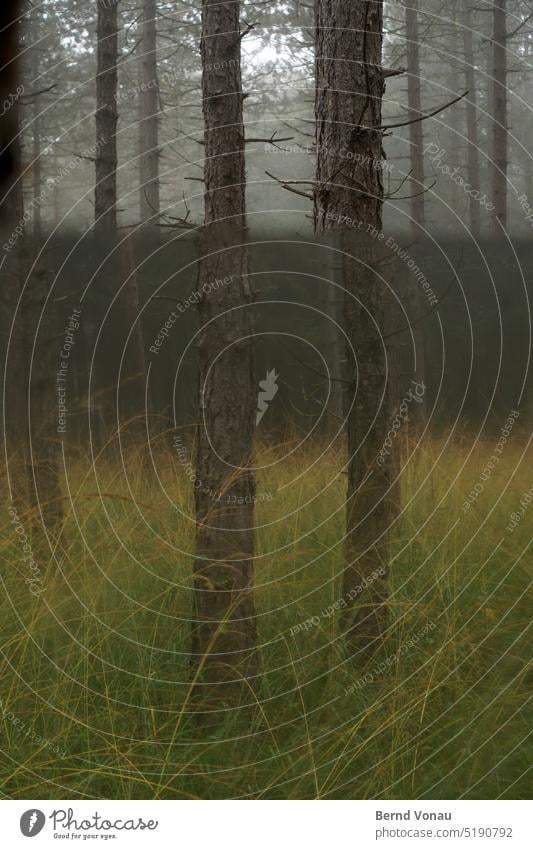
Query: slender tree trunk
[
  {"x": 57, "y": 208},
  {"x": 30, "y": 426},
  {"x": 471, "y": 120},
  {"x": 105, "y": 376},
  {"x": 454, "y": 116},
  {"x": 37, "y": 349},
  {"x": 332, "y": 308},
  {"x": 119, "y": 268},
  {"x": 16, "y": 387},
  {"x": 499, "y": 152},
  {"x": 224, "y": 627},
  {"x": 149, "y": 125},
  {"x": 10, "y": 89},
  {"x": 527, "y": 130},
  {"x": 349, "y": 198},
  {"x": 416, "y": 132},
  {"x": 105, "y": 201},
  {"x": 36, "y": 171},
  {"x": 418, "y": 212}
]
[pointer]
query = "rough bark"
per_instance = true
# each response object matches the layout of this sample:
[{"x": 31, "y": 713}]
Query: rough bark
[
  {"x": 332, "y": 348},
  {"x": 105, "y": 195},
  {"x": 149, "y": 125},
  {"x": 224, "y": 626},
  {"x": 416, "y": 131},
  {"x": 471, "y": 120},
  {"x": 499, "y": 151},
  {"x": 349, "y": 199},
  {"x": 9, "y": 86}
]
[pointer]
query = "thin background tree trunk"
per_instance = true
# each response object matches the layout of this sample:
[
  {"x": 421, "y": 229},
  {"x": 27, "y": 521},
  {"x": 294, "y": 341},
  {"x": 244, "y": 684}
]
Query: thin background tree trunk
[
  {"x": 105, "y": 377},
  {"x": 471, "y": 119},
  {"x": 454, "y": 116},
  {"x": 105, "y": 200},
  {"x": 149, "y": 126},
  {"x": 418, "y": 203},
  {"x": 36, "y": 170},
  {"x": 16, "y": 387},
  {"x": 416, "y": 132},
  {"x": 499, "y": 152},
  {"x": 119, "y": 265}
]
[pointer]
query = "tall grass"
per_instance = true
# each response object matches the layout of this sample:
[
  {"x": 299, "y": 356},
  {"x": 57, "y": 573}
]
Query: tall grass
[{"x": 96, "y": 665}]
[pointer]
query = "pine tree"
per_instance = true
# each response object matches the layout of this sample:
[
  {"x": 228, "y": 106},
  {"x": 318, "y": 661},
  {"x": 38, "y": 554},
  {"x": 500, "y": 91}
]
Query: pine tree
[
  {"x": 224, "y": 626},
  {"x": 350, "y": 84}
]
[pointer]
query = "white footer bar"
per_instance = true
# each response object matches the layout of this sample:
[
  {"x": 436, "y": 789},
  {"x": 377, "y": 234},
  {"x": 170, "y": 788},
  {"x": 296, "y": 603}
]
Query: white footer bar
[{"x": 266, "y": 824}]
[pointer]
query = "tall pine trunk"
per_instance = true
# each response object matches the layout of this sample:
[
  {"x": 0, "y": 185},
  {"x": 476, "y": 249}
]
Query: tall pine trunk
[
  {"x": 36, "y": 160},
  {"x": 105, "y": 200},
  {"x": 454, "y": 115},
  {"x": 349, "y": 198},
  {"x": 104, "y": 377},
  {"x": 499, "y": 151},
  {"x": 224, "y": 626},
  {"x": 10, "y": 89},
  {"x": 416, "y": 132},
  {"x": 471, "y": 120},
  {"x": 118, "y": 261},
  {"x": 16, "y": 386},
  {"x": 417, "y": 203},
  {"x": 149, "y": 124}
]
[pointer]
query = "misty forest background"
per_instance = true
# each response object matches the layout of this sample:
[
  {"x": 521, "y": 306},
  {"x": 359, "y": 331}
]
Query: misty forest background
[{"x": 265, "y": 339}]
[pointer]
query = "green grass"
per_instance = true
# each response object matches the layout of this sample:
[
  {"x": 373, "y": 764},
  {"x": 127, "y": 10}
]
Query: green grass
[{"x": 97, "y": 664}]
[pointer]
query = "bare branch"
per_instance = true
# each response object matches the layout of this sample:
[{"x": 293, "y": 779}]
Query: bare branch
[
  {"x": 289, "y": 186},
  {"x": 422, "y": 117},
  {"x": 249, "y": 28},
  {"x": 393, "y": 72},
  {"x": 272, "y": 140},
  {"x": 416, "y": 195}
]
